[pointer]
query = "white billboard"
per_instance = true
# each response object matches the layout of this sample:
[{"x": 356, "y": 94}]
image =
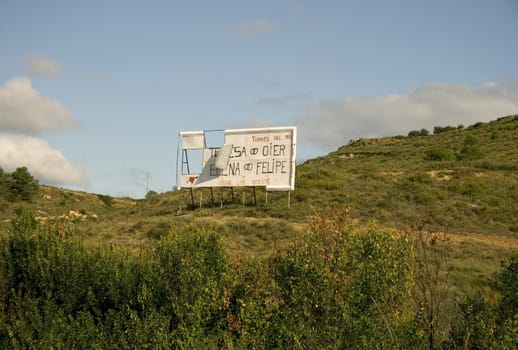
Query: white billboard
[{"x": 247, "y": 157}]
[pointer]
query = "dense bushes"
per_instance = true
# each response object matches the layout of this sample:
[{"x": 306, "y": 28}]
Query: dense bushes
[
  {"x": 343, "y": 288},
  {"x": 479, "y": 325},
  {"x": 336, "y": 286},
  {"x": 57, "y": 293},
  {"x": 471, "y": 150}
]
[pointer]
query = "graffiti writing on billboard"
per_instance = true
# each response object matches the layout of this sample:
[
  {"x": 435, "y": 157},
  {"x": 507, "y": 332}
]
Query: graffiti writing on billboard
[{"x": 242, "y": 160}]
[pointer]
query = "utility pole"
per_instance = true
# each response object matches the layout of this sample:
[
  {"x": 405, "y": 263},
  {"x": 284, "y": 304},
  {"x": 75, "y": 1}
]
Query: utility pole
[{"x": 147, "y": 181}]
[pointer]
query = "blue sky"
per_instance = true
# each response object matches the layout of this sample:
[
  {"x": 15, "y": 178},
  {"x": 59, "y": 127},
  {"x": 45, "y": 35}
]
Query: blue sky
[{"x": 94, "y": 93}]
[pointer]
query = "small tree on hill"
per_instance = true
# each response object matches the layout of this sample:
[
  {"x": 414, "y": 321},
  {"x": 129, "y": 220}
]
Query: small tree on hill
[
  {"x": 415, "y": 133},
  {"x": 441, "y": 129},
  {"x": 151, "y": 195},
  {"x": 21, "y": 185}
]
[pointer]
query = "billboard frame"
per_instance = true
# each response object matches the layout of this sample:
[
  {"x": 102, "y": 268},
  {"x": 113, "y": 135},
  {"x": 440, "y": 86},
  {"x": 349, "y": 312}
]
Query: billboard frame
[{"x": 264, "y": 157}]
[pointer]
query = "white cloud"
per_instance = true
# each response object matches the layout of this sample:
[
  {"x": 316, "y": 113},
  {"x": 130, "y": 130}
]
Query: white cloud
[
  {"x": 40, "y": 66},
  {"x": 258, "y": 27},
  {"x": 329, "y": 124},
  {"x": 24, "y": 110},
  {"x": 45, "y": 163},
  {"x": 24, "y": 113}
]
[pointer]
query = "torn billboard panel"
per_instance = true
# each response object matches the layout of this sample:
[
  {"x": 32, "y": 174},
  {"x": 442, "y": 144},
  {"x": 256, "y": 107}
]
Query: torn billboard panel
[{"x": 248, "y": 157}]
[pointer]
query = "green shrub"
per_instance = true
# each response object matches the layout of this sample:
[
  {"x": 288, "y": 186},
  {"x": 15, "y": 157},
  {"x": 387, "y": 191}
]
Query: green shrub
[
  {"x": 106, "y": 199},
  {"x": 475, "y": 326},
  {"x": 152, "y": 196},
  {"x": 441, "y": 129},
  {"x": 158, "y": 230},
  {"x": 439, "y": 153},
  {"x": 420, "y": 177},
  {"x": 190, "y": 270},
  {"x": 471, "y": 149},
  {"x": 250, "y": 300},
  {"x": 479, "y": 325},
  {"x": 476, "y": 125},
  {"x": 507, "y": 283}
]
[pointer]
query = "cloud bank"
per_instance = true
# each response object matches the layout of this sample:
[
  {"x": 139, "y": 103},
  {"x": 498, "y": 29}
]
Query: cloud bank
[
  {"x": 24, "y": 115},
  {"x": 45, "y": 163},
  {"x": 24, "y": 110},
  {"x": 329, "y": 124}
]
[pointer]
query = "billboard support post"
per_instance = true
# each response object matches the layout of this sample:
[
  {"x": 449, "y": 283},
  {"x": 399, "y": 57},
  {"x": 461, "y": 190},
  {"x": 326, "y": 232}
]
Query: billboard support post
[{"x": 192, "y": 198}]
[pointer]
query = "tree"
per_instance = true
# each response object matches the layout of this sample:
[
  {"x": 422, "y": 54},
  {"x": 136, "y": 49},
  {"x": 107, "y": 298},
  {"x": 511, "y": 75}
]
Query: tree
[
  {"x": 21, "y": 185},
  {"x": 441, "y": 129},
  {"x": 151, "y": 195}
]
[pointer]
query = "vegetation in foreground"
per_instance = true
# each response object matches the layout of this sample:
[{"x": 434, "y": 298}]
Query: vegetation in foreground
[{"x": 336, "y": 286}]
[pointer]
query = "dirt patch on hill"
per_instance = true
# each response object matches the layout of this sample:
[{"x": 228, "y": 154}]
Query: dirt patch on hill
[
  {"x": 441, "y": 175},
  {"x": 221, "y": 220},
  {"x": 392, "y": 173},
  {"x": 491, "y": 240}
]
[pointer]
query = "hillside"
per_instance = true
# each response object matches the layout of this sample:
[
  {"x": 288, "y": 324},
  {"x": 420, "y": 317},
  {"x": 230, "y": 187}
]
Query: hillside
[
  {"x": 402, "y": 182},
  {"x": 406, "y": 181}
]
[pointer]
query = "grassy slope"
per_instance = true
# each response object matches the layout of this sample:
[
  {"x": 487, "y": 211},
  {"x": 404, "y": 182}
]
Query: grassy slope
[{"x": 391, "y": 181}]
